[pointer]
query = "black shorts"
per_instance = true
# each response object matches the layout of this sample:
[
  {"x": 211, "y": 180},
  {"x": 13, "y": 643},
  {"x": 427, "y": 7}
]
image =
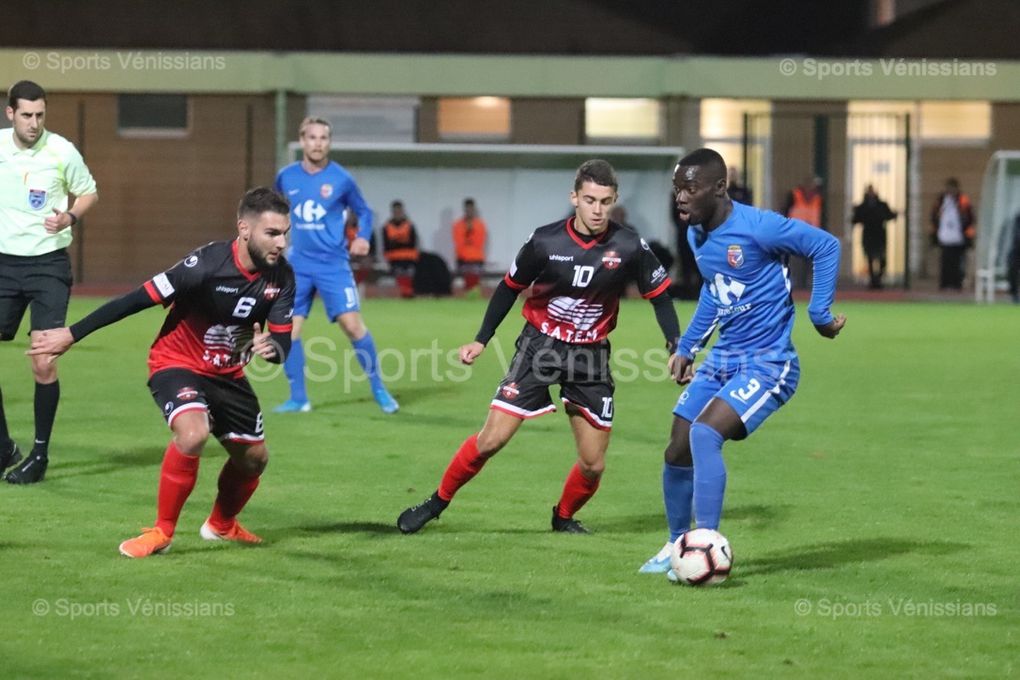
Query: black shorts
[
  {"x": 42, "y": 281},
  {"x": 581, "y": 371},
  {"x": 233, "y": 408}
]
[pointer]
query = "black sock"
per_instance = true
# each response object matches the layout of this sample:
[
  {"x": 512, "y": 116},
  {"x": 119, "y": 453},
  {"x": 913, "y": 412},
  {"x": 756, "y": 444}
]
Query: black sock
[
  {"x": 46, "y": 399},
  {"x": 5, "y": 436}
]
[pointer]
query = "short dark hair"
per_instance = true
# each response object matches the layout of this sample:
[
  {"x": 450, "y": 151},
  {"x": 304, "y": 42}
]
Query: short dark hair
[
  {"x": 261, "y": 200},
  {"x": 709, "y": 160},
  {"x": 24, "y": 89},
  {"x": 469, "y": 201},
  {"x": 597, "y": 171},
  {"x": 397, "y": 204}
]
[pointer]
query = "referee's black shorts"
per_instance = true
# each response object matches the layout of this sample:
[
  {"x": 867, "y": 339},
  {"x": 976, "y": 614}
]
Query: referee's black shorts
[
  {"x": 581, "y": 371},
  {"x": 39, "y": 282}
]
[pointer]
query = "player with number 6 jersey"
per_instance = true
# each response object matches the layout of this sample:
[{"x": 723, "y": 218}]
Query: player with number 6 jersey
[
  {"x": 577, "y": 270},
  {"x": 229, "y": 301}
]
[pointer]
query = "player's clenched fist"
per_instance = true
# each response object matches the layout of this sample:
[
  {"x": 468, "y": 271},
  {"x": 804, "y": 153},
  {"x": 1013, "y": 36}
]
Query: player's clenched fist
[{"x": 471, "y": 351}]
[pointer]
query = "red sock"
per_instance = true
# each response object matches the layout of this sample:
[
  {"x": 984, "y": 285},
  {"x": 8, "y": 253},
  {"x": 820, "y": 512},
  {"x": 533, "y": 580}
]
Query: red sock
[
  {"x": 176, "y": 480},
  {"x": 576, "y": 492},
  {"x": 406, "y": 286},
  {"x": 471, "y": 280},
  {"x": 236, "y": 487},
  {"x": 466, "y": 463}
]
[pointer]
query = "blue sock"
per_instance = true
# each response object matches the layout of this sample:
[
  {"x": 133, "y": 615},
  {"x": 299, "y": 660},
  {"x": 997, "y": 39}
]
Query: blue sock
[
  {"x": 294, "y": 367},
  {"x": 709, "y": 475},
  {"x": 677, "y": 494},
  {"x": 364, "y": 350}
]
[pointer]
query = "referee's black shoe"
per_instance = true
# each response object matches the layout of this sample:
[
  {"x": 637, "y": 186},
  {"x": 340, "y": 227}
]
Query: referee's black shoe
[
  {"x": 417, "y": 516},
  {"x": 567, "y": 526},
  {"x": 9, "y": 456},
  {"x": 32, "y": 470}
]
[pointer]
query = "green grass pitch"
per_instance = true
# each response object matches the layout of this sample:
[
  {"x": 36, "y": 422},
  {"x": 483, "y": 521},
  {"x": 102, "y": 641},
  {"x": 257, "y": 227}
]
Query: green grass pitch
[{"x": 873, "y": 519}]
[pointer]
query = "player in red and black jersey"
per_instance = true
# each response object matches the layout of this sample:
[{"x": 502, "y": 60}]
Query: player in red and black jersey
[
  {"x": 221, "y": 297},
  {"x": 577, "y": 270}
]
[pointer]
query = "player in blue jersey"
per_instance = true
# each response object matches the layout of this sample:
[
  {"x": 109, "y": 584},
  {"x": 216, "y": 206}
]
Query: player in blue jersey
[
  {"x": 319, "y": 191},
  {"x": 752, "y": 370}
]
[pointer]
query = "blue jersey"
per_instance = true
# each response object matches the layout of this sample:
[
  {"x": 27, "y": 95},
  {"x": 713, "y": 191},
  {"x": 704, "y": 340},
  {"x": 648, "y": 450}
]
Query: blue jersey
[
  {"x": 317, "y": 204},
  {"x": 746, "y": 293}
]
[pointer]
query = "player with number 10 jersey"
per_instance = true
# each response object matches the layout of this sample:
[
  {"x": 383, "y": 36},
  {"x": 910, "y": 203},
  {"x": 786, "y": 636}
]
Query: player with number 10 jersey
[{"x": 577, "y": 270}]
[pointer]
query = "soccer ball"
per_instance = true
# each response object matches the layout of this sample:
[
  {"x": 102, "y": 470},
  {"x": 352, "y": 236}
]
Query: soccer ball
[{"x": 701, "y": 557}]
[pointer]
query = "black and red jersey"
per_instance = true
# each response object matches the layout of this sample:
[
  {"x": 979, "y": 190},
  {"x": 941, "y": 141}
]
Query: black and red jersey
[
  {"x": 214, "y": 304},
  {"x": 577, "y": 282}
]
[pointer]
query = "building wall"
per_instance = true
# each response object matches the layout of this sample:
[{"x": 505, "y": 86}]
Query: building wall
[
  {"x": 159, "y": 198},
  {"x": 547, "y": 121}
]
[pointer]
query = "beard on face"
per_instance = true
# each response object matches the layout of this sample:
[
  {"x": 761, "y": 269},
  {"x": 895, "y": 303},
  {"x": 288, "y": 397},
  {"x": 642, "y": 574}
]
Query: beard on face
[{"x": 260, "y": 261}]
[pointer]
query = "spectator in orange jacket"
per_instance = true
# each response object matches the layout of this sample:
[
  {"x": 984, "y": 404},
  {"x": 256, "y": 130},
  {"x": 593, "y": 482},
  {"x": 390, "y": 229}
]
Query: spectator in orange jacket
[
  {"x": 400, "y": 248},
  {"x": 805, "y": 201},
  {"x": 469, "y": 234},
  {"x": 952, "y": 230}
]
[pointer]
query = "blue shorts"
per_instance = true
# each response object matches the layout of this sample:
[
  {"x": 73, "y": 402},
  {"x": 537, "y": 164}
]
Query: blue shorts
[
  {"x": 335, "y": 286},
  {"x": 755, "y": 390}
]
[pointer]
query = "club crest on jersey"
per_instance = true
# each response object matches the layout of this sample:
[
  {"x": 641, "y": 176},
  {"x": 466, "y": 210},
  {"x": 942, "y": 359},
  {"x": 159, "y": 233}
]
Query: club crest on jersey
[
  {"x": 271, "y": 292},
  {"x": 735, "y": 256},
  {"x": 36, "y": 198},
  {"x": 611, "y": 259},
  {"x": 326, "y": 190},
  {"x": 187, "y": 394},
  {"x": 510, "y": 391}
]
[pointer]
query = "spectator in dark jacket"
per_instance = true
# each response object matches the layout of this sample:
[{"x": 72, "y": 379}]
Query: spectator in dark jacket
[{"x": 872, "y": 214}]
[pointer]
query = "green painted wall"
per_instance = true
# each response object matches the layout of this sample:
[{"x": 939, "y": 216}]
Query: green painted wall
[{"x": 521, "y": 76}]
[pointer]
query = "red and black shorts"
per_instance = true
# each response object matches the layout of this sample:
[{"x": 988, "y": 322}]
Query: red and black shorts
[
  {"x": 233, "y": 408},
  {"x": 581, "y": 371},
  {"x": 40, "y": 281}
]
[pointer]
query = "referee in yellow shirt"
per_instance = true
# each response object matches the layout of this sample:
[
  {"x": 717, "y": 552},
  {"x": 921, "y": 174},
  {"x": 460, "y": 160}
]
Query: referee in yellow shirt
[{"x": 39, "y": 170}]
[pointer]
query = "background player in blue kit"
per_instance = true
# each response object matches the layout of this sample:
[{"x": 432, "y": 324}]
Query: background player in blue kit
[
  {"x": 753, "y": 368},
  {"x": 319, "y": 190}
]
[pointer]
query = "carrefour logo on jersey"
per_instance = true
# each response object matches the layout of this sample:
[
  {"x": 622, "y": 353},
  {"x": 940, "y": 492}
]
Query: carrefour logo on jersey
[{"x": 309, "y": 213}]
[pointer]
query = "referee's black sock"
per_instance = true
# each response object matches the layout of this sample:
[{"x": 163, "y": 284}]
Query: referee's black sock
[
  {"x": 46, "y": 399},
  {"x": 5, "y": 436}
]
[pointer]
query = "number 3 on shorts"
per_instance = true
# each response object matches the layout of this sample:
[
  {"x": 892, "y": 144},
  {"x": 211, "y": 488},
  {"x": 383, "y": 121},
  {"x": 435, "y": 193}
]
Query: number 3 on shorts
[{"x": 745, "y": 393}]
